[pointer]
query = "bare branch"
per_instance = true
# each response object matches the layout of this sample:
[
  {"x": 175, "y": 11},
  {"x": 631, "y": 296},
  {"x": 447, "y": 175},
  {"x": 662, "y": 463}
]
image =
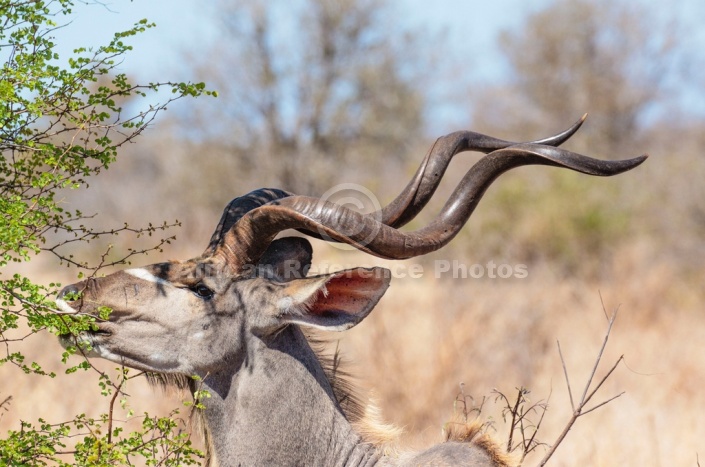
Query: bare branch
[
  {"x": 587, "y": 399},
  {"x": 585, "y": 412},
  {"x": 580, "y": 410},
  {"x": 567, "y": 380},
  {"x": 599, "y": 356}
]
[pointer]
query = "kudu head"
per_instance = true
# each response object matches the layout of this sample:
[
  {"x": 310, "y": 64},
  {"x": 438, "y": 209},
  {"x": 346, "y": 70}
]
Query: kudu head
[{"x": 195, "y": 316}]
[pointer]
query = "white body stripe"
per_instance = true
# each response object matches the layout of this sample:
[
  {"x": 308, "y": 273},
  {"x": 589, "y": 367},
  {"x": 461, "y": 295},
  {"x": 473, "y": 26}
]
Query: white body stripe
[{"x": 146, "y": 276}]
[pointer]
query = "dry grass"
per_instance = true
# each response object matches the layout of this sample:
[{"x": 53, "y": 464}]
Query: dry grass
[{"x": 433, "y": 334}]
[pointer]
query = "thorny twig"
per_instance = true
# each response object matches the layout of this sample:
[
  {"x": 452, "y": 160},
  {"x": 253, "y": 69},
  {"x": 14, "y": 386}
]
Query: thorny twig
[
  {"x": 464, "y": 405},
  {"x": 520, "y": 421},
  {"x": 4, "y": 404},
  {"x": 82, "y": 234},
  {"x": 462, "y": 399}
]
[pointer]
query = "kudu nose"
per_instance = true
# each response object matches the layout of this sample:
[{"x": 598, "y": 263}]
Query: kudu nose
[{"x": 69, "y": 289}]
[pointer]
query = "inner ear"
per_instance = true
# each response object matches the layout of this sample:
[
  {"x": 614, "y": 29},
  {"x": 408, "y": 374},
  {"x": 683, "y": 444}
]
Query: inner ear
[
  {"x": 334, "y": 302},
  {"x": 286, "y": 259}
]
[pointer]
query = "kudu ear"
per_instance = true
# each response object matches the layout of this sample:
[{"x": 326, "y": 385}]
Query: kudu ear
[{"x": 333, "y": 302}]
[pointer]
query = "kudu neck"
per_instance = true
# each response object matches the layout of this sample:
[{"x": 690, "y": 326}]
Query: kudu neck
[{"x": 278, "y": 408}]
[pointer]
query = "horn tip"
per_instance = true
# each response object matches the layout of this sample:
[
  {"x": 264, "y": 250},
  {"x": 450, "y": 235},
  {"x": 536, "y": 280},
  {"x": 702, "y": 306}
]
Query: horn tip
[
  {"x": 641, "y": 159},
  {"x": 626, "y": 165}
]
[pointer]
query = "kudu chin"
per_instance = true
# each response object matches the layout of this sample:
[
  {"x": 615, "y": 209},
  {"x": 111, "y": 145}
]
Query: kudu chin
[{"x": 234, "y": 315}]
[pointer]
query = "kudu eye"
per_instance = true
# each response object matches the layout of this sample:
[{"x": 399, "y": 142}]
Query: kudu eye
[{"x": 202, "y": 291}]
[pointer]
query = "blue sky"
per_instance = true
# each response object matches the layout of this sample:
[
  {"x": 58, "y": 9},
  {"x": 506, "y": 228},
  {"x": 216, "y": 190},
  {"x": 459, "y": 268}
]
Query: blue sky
[
  {"x": 184, "y": 24},
  {"x": 471, "y": 26}
]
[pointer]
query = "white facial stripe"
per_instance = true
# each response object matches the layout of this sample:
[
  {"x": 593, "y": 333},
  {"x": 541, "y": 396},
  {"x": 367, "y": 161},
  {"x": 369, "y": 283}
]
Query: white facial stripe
[
  {"x": 65, "y": 307},
  {"x": 146, "y": 276},
  {"x": 102, "y": 352}
]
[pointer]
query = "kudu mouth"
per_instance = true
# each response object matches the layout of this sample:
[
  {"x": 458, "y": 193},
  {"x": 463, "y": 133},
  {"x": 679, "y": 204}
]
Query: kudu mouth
[{"x": 70, "y": 301}]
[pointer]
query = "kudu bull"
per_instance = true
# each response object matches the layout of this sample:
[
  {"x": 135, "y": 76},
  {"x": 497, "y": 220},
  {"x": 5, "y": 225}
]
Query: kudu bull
[{"x": 233, "y": 316}]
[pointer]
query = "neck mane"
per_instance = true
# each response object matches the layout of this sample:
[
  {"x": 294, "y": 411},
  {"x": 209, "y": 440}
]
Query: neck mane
[{"x": 284, "y": 404}]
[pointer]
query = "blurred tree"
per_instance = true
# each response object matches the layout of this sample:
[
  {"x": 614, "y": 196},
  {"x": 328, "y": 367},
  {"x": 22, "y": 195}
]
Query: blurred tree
[
  {"x": 312, "y": 80},
  {"x": 612, "y": 59}
]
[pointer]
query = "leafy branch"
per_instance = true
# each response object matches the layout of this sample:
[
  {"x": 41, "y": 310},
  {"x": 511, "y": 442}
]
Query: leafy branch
[{"x": 62, "y": 122}]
